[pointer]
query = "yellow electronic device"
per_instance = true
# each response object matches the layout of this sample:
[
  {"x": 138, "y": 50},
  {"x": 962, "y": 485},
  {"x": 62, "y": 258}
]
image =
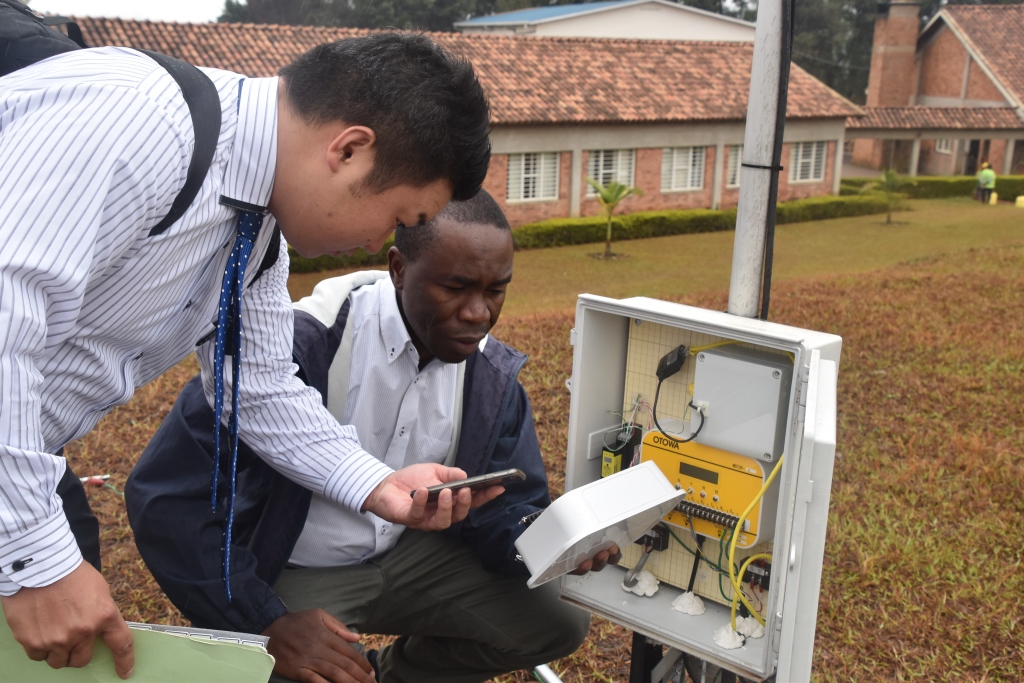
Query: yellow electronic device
[
  {"x": 610, "y": 463},
  {"x": 719, "y": 486}
]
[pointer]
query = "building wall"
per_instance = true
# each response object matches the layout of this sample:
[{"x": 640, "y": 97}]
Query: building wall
[
  {"x": 650, "y": 20},
  {"x": 647, "y": 176},
  {"x": 801, "y": 190},
  {"x": 980, "y": 87},
  {"x": 890, "y": 81},
  {"x": 937, "y": 163},
  {"x": 531, "y": 211},
  {"x": 946, "y": 76},
  {"x": 996, "y": 155},
  {"x": 942, "y": 67}
]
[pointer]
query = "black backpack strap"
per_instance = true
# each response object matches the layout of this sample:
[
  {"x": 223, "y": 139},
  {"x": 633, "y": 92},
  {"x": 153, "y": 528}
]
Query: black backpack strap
[
  {"x": 74, "y": 31},
  {"x": 204, "y": 106},
  {"x": 26, "y": 37},
  {"x": 270, "y": 258}
]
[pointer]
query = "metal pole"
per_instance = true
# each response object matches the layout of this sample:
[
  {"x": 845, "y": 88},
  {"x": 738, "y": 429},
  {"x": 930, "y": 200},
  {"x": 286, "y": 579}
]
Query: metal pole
[{"x": 758, "y": 145}]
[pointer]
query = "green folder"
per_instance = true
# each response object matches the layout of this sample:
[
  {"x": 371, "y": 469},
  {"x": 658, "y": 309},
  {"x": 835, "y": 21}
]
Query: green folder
[{"x": 159, "y": 658}]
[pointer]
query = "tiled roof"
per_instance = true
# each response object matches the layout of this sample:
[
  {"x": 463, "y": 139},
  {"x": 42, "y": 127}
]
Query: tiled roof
[
  {"x": 936, "y": 118},
  {"x": 996, "y": 32},
  {"x": 528, "y": 80},
  {"x": 531, "y": 14}
]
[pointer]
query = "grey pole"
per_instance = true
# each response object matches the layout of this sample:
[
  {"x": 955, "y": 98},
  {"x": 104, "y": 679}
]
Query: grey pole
[{"x": 758, "y": 145}]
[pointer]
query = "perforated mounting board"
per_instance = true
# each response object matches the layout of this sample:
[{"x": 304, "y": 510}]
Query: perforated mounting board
[
  {"x": 606, "y": 368},
  {"x": 615, "y": 510}
]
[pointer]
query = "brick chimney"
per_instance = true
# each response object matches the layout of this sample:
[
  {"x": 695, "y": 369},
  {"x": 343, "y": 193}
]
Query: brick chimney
[{"x": 891, "y": 80}]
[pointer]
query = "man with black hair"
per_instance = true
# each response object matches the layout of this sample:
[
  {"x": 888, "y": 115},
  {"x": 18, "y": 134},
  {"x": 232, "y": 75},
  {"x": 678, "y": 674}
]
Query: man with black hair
[
  {"x": 408, "y": 361},
  {"x": 354, "y": 138}
]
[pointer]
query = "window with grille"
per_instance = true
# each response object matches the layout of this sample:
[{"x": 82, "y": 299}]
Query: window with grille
[
  {"x": 807, "y": 162},
  {"x": 732, "y": 169},
  {"x": 532, "y": 176},
  {"x": 682, "y": 168},
  {"x": 944, "y": 146},
  {"x": 606, "y": 165}
]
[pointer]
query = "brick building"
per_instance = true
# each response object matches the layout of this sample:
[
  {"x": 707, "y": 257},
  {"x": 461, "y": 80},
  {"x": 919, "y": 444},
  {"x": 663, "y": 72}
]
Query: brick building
[
  {"x": 944, "y": 98},
  {"x": 666, "y": 116}
]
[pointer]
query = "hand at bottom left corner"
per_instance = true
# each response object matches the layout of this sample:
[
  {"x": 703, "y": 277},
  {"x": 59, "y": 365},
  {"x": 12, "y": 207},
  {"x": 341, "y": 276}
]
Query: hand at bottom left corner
[{"x": 313, "y": 647}]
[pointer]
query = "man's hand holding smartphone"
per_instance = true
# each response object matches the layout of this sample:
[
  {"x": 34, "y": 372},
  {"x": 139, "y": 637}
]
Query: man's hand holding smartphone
[{"x": 402, "y": 498}]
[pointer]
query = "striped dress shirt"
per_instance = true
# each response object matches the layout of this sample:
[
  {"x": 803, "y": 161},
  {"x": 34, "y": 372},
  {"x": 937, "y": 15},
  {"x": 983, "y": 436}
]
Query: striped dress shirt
[{"x": 94, "y": 146}]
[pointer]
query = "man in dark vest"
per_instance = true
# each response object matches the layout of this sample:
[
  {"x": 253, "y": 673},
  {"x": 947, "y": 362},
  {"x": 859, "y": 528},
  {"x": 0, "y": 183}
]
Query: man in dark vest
[{"x": 430, "y": 385}]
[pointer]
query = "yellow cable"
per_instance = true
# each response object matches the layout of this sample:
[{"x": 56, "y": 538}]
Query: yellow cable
[
  {"x": 736, "y": 536},
  {"x": 737, "y": 593},
  {"x": 694, "y": 350}
]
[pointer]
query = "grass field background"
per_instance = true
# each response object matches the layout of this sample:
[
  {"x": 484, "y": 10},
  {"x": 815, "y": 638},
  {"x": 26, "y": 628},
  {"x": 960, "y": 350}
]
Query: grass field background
[
  {"x": 550, "y": 279},
  {"x": 922, "y": 577}
]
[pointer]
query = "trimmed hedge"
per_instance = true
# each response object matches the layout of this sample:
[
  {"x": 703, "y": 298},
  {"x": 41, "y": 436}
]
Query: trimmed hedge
[
  {"x": 563, "y": 231},
  {"x": 941, "y": 187},
  {"x": 558, "y": 232},
  {"x": 301, "y": 264}
]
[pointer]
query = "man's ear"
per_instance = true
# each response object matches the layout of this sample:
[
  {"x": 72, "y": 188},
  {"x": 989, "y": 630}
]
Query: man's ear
[
  {"x": 353, "y": 145},
  {"x": 396, "y": 266}
]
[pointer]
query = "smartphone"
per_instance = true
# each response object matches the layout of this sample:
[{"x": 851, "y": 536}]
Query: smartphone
[{"x": 503, "y": 478}]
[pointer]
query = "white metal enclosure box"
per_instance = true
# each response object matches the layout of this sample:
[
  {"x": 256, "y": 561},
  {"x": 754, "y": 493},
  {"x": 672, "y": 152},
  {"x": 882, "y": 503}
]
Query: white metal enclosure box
[{"x": 765, "y": 395}]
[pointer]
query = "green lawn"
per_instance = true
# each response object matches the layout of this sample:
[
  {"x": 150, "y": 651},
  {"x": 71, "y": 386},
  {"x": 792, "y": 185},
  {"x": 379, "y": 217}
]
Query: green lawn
[
  {"x": 550, "y": 279},
  {"x": 922, "y": 577}
]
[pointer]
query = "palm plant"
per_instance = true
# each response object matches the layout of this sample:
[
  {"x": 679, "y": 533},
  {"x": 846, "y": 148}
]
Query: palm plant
[
  {"x": 891, "y": 185},
  {"x": 609, "y": 196}
]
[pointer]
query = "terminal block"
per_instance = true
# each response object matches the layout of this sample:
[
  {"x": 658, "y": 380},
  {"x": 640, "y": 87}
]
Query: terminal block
[{"x": 697, "y": 511}]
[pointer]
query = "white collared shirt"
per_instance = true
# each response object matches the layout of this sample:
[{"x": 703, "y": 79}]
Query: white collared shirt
[
  {"x": 94, "y": 146},
  {"x": 404, "y": 416}
]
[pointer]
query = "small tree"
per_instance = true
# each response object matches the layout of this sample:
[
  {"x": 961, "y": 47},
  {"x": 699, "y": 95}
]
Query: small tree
[
  {"x": 609, "y": 196},
  {"x": 891, "y": 185}
]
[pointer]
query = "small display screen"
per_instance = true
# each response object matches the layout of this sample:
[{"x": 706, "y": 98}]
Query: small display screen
[{"x": 698, "y": 473}]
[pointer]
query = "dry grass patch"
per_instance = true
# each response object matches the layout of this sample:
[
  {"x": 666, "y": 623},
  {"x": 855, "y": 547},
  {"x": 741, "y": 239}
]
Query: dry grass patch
[{"x": 922, "y": 577}]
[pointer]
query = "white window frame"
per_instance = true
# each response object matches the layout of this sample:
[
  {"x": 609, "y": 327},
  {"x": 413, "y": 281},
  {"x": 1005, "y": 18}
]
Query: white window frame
[
  {"x": 807, "y": 162},
  {"x": 532, "y": 177},
  {"x": 682, "y": 169},
  {"x": 734, "y": 163},
  {"x": 606, "y": 165},
  {"x": 944, "y": 145}
]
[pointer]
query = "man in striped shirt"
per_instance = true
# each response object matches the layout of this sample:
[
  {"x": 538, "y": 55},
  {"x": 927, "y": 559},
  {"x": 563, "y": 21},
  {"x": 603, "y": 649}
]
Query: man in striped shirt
[
  {"x": 432, "y": 386},
  {"x": 354, "y": 138}
]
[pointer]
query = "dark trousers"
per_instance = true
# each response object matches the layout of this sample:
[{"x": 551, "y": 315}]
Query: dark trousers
[
  {"x": 457, "y": 622},
  {"x": 83, "y": 522}
]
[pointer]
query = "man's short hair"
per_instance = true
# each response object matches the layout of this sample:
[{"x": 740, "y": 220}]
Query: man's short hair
[
  {"x": 411, "y": 240},
  {"x": 425, "y": 105}
]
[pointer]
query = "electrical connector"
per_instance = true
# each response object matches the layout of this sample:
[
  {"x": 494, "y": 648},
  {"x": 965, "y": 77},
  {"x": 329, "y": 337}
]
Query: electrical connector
[
  {"x": 759, "y": 573},
  {"x": 672, "y": 362},
  {"x": 656, "y": 539}
]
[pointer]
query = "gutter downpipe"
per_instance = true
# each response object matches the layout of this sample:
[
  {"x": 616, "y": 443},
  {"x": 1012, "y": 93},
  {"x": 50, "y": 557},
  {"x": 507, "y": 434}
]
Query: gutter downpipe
[{"x": 757, "y": 200}]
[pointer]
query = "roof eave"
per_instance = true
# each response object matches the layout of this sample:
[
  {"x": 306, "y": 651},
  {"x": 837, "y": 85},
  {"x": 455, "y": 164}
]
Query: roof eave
[
  {"x": 976, "y": 55},
  {"x": 608, "y": 8}
]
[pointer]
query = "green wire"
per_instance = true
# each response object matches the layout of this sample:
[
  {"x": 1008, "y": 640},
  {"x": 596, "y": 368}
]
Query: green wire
[
  {"x": 721, "y": 541},
  {"x": 685, "y": 547},
  {"x": 696, "y": 557}
]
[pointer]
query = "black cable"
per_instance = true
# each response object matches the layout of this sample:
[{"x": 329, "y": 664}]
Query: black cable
[
  {"x": 654, "y": 414},
  {"x": 696, "y": 564},
  {"x": 785, "y": 57}
]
